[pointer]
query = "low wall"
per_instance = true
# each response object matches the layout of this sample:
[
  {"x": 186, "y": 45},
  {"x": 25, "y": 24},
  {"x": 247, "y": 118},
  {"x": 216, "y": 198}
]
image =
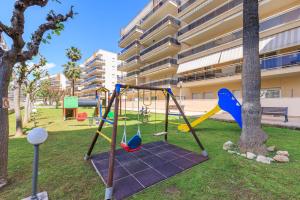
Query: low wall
[{"x": 196, "y": 107}]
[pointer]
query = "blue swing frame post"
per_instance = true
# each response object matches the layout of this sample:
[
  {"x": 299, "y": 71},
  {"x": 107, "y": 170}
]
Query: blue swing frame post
[{"x": 116, "y": 98}]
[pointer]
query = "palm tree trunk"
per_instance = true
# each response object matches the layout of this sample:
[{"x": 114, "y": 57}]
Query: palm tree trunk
[
  {"x": 5, "y": 73},
  {"x": 73, "y": 87},
  {"x": 17, "y": 107},
  {"x": 253, "y": 137}
]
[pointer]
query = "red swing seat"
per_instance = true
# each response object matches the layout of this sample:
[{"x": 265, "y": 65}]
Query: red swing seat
[
  {"x": 82, "y": 116},
  {"x": 128, "y": 149}
]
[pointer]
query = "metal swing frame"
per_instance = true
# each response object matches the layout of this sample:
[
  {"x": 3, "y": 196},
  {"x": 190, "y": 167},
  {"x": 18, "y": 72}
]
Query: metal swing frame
[{"x": 115, "y": 98}]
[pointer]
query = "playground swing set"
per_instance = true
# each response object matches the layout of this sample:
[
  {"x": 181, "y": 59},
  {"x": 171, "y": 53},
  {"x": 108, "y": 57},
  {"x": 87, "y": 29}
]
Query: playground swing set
[{"x": 128, "y": 170}]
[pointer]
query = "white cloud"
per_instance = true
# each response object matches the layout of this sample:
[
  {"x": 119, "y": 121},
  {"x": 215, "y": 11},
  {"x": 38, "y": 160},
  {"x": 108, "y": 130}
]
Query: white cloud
[{"x": 46, "y": 67}]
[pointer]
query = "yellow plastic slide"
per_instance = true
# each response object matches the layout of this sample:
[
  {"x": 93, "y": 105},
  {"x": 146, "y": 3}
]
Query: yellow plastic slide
[{"x": 185, "y": 128}]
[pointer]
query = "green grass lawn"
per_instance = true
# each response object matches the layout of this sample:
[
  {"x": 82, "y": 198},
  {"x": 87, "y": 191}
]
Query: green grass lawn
[{"x": 65, "y": 175}]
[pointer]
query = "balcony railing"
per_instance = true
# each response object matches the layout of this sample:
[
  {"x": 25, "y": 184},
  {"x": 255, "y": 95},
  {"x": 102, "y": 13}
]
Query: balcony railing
[
  {"x": 129, "y": 32},
  {"x": 187, "y": 4},
  {"x": 132, "y": 73},
  {"x": 132, "y": 58},
  {"x": 93, "y": 69},
  {"x": 158, "y": 44},
  {"x": 265, "y": 25},
  {"x": 156, "y": 26},
  {"x": 93, "y": 61},
  {"x": 170, "y": 81},
  {"x": 159, "y": 5},
  {"x": 226, "y": 7},
  {"x": 93, "y": 78},
  {"x": 158, "y": 64},
  {"x": 129, "y": 46},
  {"x": 92, "y": 87},
  {"x": 277, "y": 62}
]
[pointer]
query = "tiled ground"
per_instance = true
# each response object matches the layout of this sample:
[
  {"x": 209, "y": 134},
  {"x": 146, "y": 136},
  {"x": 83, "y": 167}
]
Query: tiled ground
[{"x": 138, "y": 170}]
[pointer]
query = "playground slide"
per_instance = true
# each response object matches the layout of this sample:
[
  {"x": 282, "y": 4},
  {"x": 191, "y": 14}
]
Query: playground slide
[
  {"x": 185, "y": 128},
  {"x": 227, "y": 102}
]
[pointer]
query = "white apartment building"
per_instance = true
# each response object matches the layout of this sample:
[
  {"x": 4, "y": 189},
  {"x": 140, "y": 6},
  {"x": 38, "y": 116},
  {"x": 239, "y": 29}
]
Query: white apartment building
[{"x": 100, "y": 70}]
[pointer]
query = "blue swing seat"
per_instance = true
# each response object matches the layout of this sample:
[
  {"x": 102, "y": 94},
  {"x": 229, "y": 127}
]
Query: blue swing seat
[{"x": 134, "y": 144}]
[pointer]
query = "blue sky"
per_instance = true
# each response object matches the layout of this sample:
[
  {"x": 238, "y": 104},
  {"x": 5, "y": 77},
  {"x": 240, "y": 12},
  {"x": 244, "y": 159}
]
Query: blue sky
[{"x": 96, "y": 26}]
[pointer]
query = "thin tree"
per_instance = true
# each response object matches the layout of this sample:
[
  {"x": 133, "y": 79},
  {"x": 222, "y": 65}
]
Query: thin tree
[
  {"x": 71, "y": 70},
  {"x": 31, "y": 86},
  {"x": 253, "y": 138},
  {"x": 19, "y": 52},
  {"x": 21, "y": 72}
]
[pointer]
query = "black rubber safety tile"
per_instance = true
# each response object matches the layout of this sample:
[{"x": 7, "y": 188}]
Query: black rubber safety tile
[
  {"x": 148, "y": 177},
  {"x": 138, "y": 170},
  {"x": 135, "y": 166},
  {"x": 126, "y": 187},
  {"x": 182, "y": 163},
  {"x": 167, "y": 156}
]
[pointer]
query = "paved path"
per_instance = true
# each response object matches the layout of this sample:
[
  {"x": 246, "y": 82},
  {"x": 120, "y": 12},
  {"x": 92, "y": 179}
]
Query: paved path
[{"x": 293, "y": 123}]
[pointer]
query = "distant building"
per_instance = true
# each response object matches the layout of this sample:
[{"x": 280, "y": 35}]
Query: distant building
[
  {"x": 100, "y": 70},
  {"x": 57, "y": 81}
]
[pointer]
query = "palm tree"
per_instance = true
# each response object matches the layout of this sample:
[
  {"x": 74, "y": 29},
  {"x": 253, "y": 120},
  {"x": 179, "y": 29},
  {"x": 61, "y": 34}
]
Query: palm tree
[
  {"x": 72, "y": 73},
  {"x": 73, "y": 54},
  {"x": 253, "y": 138}
]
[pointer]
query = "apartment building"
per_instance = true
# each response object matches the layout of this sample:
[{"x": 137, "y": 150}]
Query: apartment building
[
  {"x": 100, "y": 70},
  {"x": 197, "y": 45},
  {"x": 211, "y": 54},
  {"x": 57, "y": 81},
  {"x": 150, "y": 46}
]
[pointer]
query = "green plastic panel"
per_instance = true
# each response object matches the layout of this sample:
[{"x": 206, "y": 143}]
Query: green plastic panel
[{"x": 71, "y": 102}]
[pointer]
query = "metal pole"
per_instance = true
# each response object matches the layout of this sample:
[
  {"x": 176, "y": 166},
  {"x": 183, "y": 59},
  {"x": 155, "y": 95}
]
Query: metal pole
[
  {"x": 167, "y": 116},
  {"x": 87, "y": 156},
  {"x": 109, "y": 187},
  {"x": 192, "y": 130},
  {"x": 35, "y": 172}
]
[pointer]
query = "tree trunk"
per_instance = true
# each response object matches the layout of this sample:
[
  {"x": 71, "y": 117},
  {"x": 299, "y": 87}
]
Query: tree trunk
[
  {"x": 73, "y": 87},
  {"x": 253, "y": 137},
  {"x": 5, "y": 74},
  {"x": 17, "y": 107},
  {"x": 27, "y": 109}
]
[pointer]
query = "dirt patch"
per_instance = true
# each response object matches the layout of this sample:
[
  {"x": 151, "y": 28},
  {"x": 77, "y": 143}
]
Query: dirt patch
[{"x": 173, "y": 191}]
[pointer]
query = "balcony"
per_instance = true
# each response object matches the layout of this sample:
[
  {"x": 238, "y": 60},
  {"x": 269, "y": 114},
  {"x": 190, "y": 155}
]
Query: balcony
[
  {"x": 95, "y": 61},
  {"x": 132, "y": 35},
  {"x": 130, "y": 64},
  {"x": 224, "y": 19},
  {"x": 270, "y": 26},
  {"x": 91, "y": 87},
  {"x": 279, "y": 65},
  {"x": 168, "y": 26},
  {"x": 164, "y": 8},
  {"x": 94, "y": 71},
  {"x": 164, "y": 48},
  {"x": 95, "y": 78},
  {"x": 130, "y": 50},
  {"x": 131, "y": 76},
  {"x": 162, "y": 83},
  {"x": 166, "y": 66},
  {"x": 193, "y": 9}
]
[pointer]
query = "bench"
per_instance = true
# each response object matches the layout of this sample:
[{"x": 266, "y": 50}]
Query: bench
[{"x": 276, "y": 111}]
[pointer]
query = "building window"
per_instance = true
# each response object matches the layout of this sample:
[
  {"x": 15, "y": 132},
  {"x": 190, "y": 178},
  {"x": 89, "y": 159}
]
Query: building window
[
  {"x": 270, "y": 93},
  {"x": 197, "y": 96},
  {"x": 208, "y": 95}
]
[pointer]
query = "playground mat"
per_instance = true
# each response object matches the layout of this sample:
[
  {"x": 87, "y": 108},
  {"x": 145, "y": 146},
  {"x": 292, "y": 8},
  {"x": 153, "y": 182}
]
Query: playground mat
[{"x": 136, "y": 171}]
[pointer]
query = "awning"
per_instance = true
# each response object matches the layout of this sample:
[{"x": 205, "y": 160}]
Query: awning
[
  {"x": 199, "y": 63},
  {"x": 267, "y": 44}
]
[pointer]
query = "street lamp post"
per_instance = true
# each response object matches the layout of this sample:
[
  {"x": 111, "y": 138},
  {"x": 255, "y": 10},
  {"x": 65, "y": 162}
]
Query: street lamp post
[{"x": 36, "y": 137}]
